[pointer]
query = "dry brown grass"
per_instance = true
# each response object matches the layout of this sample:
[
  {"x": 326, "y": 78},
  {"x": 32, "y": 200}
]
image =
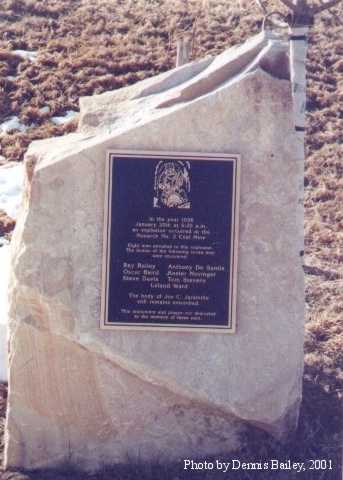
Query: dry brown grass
[
  {"x": 89, "y": 47},
  {"x": 6, "y": 224}
]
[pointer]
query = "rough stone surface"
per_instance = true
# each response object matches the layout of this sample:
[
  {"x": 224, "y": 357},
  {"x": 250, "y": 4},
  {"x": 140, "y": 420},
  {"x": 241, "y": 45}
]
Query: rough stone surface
[{"x": 93, "y": 397}]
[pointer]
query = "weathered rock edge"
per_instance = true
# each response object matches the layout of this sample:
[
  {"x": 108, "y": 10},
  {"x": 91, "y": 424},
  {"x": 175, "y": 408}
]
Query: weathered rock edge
[{"x": 91, "y": 398}]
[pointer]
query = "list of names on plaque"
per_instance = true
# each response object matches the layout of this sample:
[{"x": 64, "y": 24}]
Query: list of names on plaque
[{"x": 169, "y": 241}]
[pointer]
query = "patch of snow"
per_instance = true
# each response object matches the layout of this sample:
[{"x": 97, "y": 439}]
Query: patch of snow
[
  {"x": 12, "y": 123},
  {"x": 26, "y": 54},
  {"x": 65, "y": 118},
  {"x": 4, "y": 275},
  {"x": 4, "y": 241},
  {"x": 45, "y": 109},
  {"x": 11, "y": 186}
]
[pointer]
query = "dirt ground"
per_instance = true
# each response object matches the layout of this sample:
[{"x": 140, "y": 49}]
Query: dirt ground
[{"x": 85, "y": 48}]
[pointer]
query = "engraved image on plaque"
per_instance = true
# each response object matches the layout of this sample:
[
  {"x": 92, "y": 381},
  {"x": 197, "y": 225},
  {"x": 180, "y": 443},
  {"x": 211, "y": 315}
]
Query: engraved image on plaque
[
  {"x": 172, "y": 185},
  {"x": 170, "y": 241}
]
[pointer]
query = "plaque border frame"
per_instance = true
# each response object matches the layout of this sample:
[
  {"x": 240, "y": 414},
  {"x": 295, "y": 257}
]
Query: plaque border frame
[{"x": 232, "y": 300}]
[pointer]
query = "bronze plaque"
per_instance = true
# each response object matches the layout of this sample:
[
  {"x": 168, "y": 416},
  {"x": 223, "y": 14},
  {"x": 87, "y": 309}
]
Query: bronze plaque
[{"x": 170, "y": 241}]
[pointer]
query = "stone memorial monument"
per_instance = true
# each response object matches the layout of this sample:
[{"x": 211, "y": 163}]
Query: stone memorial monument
[{"x": 156, "y": 299}]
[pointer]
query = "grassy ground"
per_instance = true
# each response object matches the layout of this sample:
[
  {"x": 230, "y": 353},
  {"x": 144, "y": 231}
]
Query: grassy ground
[{"x": 90, "y": 47}]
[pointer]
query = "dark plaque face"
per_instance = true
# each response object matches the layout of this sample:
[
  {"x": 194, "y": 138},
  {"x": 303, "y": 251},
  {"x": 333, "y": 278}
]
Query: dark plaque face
[{"x": 170, "y": 237}]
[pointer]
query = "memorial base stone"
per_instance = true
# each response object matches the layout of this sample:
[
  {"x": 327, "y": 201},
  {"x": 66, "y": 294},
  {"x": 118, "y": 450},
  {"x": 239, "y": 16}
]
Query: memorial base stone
[{"x": 90, "y": 397}]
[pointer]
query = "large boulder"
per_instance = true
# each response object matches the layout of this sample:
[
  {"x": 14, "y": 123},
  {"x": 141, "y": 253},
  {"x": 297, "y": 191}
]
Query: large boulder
[{"x": 90, "y": 397}]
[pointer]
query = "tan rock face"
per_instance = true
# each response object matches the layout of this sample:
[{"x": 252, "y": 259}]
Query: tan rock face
[{"x": 94, "y": 397}]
